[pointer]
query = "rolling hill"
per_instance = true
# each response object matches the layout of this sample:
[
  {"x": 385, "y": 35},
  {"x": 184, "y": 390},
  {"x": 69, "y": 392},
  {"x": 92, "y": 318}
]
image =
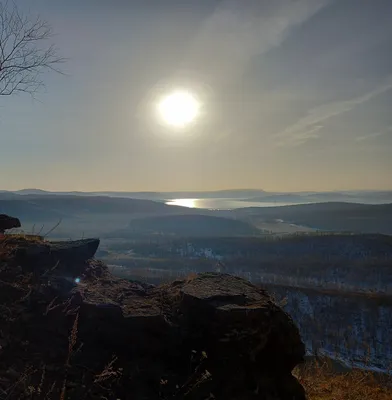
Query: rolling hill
[
  {"x": 81, "y": 215},
  {"x": 53, "y": 206},
  {"x": 332, "y": 216},
  {"x": 187, "y": 226}
]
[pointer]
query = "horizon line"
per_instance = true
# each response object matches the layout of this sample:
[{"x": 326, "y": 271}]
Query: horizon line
[{"x": 195, "y": 191}]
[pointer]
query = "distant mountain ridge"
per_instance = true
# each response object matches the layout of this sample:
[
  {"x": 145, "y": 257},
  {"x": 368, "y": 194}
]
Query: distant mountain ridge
[
  {"x": 97, "y": 214},
  {"x": 246, "y": 195},
  {"x": 373, "y": 197},
  {"x": 57, "y": 206},
  {"x": 227, "y": 193}
]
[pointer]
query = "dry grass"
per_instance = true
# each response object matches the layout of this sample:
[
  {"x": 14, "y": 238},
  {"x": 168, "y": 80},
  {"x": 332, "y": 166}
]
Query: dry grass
[
  {"x": 9, "y": 242},
  {"x": 22, "y": 236},
  {"x": 322, "y": 382},
  {"x": 190, "y": 277}
]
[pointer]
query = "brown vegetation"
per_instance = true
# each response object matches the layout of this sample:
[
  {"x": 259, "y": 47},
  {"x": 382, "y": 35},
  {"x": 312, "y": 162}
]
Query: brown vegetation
[{"x": 322, "y": 382}]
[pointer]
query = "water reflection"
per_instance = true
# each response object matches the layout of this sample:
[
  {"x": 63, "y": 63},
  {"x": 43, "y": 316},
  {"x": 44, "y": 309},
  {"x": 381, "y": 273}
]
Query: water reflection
[
  {"x": 221, "y": 203},
  {"x": 190, "y": 203}
]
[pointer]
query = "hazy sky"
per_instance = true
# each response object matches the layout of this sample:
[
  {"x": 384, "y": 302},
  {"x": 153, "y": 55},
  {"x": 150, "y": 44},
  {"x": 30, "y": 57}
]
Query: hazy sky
[{"x": 296, "y": 94}]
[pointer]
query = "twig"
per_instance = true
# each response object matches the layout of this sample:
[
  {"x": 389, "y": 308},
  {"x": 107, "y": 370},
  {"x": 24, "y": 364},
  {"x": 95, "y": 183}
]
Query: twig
[{"x": 51, "y": 230}]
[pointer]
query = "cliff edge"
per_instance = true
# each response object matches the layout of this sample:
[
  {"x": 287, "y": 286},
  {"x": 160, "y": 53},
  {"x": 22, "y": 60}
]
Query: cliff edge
[{"x": 71, "y": 330}]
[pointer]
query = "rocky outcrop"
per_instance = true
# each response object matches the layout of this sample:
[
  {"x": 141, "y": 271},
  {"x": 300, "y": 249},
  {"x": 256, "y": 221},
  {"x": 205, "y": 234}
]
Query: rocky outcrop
[
  {"x": 68, "y": 256},
  {"x": 213, "y": 336},
  {"x": 7, "y": 222}
]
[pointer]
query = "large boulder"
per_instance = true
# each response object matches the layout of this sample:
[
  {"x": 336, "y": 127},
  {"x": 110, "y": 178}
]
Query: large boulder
[
  {"x": 7, "y": 222},
  {"x": 64, "y": 257},
  {"x": 213, "y": 334}
]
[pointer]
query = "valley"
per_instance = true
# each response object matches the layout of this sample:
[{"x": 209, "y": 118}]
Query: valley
[{"x": 331, "y": 259}]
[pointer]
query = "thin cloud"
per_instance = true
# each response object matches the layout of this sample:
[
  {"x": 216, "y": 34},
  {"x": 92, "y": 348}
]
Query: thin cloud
[
  {"x": 301, "y": 137},
  {"x": 240, "y": 30},
  {"x": 327, "y": 111},
  {"x": 374, "y": 135}
]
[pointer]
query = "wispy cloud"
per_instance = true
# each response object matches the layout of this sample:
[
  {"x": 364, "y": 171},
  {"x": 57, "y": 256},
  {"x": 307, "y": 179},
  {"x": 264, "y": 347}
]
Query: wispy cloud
[
  {"x": 296, "y": 133},
  {"x": 301, "y": 137},
  {"x": 239, "y": 30},
  {"x": 374, "y": 135}
]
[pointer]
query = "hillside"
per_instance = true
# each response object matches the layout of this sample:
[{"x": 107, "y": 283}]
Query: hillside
[
  {"x": 98, "y": 215},
  {"x": 333, "y": 216},
  {"x": 369, "y": 197},
  {"x": 344, "y": 262},
  {"x": 349, "y": 247},
  {"x": 187, "y": 226},
  {"x": 76, "y": 205},
  {"x": 91, "y": 215}
]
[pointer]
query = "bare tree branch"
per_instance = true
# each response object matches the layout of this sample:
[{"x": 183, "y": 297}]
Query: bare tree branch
[{"x": 24, "y": 52}]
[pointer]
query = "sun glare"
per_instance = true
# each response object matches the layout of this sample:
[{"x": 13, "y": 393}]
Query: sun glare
[
  {"x": 190, "y": 203},
  {"x": 179, "y": 108}
]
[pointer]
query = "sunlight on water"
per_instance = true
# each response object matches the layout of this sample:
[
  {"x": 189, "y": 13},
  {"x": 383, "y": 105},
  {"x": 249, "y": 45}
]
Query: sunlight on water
[
  {"x": 220, "y": 203},
  {"x": 190, "y": 203}
]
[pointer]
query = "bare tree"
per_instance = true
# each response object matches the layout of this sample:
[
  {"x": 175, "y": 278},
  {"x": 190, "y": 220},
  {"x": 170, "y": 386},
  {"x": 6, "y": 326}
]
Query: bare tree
[{"x": 24, "y": 52}]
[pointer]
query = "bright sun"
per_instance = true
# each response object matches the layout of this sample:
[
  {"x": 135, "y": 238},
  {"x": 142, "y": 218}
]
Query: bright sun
[{"x": 179, "y": 108}]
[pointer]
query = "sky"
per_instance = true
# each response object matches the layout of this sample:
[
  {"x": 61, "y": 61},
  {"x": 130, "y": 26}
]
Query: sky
[{"x": 296, "y": 95}]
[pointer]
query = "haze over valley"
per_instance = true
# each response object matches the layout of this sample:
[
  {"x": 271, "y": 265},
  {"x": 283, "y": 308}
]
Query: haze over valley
[{"x": 334, "y": 248}]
